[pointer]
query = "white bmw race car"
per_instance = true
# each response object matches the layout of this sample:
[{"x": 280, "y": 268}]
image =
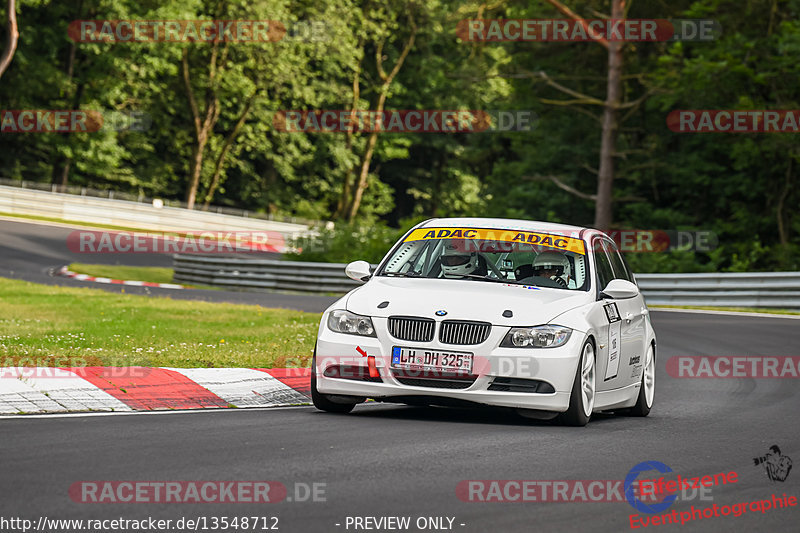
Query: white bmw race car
[{"x": 544, "y": 318}]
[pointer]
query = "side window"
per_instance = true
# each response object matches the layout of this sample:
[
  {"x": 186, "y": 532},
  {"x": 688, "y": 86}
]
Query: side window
[
  {"x": 620, "y": 269},
  {"x": 604, "y": 271},
  {"x": 627, "y": 268}
]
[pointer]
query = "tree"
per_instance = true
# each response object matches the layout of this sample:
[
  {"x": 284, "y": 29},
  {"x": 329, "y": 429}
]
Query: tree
[
  {"x": 204, "y": 119},
  {"x": 603, "y": 199},
  {"x": 383, "y": 23},
  {"x": 12, "y": 35}
]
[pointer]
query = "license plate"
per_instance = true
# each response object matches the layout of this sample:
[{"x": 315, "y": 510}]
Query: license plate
[{"x": 424, "y": 359}]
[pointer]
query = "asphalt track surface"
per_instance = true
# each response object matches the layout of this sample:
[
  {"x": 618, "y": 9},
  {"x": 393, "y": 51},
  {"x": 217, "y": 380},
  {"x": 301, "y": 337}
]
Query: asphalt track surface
[
  {"x": 385, "y": 460},
  {"x": 31, "y": 251}
]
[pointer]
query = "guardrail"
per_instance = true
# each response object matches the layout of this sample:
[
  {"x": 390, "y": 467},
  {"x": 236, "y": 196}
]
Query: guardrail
[
  {"x": 123, "y": 213},
  {"x": 141, "y": 198},
  {"x": 726, "y": 289},
  {"x": 248, "y": 273},
  {"x": 749, "y": 289}
]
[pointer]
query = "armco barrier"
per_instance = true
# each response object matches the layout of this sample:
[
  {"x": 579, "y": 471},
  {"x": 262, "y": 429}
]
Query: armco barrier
[
  {"x": 729, "y": 289},
  {"x": 125, "y": 213},
  {"x": 759, "y": 289},
  {"x": 248, "y": 273}
]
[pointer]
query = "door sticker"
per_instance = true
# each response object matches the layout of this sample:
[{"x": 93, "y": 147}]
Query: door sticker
[
  {"x": 612, "y": 313},
  {"x": 613, "y": 348}
]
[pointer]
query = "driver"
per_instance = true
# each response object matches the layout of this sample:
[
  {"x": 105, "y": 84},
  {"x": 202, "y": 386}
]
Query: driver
[
  {"x": 458, "y": 262},
  {"x": 552, "y": 265}
]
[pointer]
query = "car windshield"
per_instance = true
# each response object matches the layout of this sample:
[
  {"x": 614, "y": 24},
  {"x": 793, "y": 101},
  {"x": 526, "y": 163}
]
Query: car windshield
[{"x": 490, "y": 255}]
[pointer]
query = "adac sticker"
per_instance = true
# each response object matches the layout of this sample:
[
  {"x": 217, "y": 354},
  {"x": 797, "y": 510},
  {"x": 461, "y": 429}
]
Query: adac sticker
[{"x": 558, "y": 242}]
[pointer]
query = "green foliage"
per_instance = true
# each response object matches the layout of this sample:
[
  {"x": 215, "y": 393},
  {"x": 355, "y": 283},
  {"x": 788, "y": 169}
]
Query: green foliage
[
  {"x": 673, "y": 262},
  {"x": 742, "y": 187},
  {"x": 359, "y": 240}
]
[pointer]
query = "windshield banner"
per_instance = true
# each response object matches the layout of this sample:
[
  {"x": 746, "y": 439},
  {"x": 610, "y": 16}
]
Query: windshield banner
[{"x": 558, "y": 242}]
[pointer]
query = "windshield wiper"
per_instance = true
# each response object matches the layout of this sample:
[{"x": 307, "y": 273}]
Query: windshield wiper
[
  {"x": 409, "y": 274},
  {"x": 484, "y": 278}
]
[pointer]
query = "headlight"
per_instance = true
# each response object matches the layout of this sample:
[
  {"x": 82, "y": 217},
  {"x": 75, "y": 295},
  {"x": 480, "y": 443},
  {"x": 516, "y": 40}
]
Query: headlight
[
  {"x": 347, "y": 322},
  {"x": 537, "y": 337}
]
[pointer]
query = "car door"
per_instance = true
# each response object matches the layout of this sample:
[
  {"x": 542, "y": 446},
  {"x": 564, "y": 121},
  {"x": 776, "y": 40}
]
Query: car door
[
  {"x": 609, "y": 322},
  {"x": 632, "y": 312}
]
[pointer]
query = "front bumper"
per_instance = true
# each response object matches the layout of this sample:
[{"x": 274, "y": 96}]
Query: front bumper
[{"x": 553, "y": 366}]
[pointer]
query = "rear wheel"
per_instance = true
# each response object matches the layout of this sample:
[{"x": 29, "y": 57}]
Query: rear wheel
[
  {"x": 322, "y": 401},
  {"x": 581, "y": 400},
  {"x": 647, "y": 390}
]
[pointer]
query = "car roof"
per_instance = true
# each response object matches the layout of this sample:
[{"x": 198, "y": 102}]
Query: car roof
[{"x": 508, "y": 223}]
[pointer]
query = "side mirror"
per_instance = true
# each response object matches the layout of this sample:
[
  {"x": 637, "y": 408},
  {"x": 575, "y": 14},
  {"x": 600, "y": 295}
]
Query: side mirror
[
  {"x": 620, "y": 289},
  {"x": 358, "y": 271}
]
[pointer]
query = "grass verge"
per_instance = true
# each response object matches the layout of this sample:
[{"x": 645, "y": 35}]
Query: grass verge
[
  {"x": 733, "y": 309},
  {"x": 42, "y": 325},
  {"x": 150, "y": 274}
]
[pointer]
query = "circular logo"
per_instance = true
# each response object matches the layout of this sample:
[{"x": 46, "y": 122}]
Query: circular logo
[
  {"x": 441, "y": 312},
  {"x": 635, "y": 502}
]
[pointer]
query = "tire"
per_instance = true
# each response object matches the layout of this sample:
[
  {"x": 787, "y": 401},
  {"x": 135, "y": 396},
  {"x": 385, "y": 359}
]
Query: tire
[
  {"x": 584, "y": 389},
  {"x": 647, "y": 390},
  {"x": 321, "y": 401}
]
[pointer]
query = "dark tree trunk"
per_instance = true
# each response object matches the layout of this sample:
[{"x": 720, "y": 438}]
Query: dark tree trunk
[
  {"x": 12, "y": 36},
  {"x": 603, "y": 214}
]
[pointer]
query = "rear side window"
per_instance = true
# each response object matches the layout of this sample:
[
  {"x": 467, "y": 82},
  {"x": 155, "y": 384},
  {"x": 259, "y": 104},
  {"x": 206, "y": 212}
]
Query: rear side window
[
  {"x": 604, "y": 271},
  {"x": 621, "y": 270}
]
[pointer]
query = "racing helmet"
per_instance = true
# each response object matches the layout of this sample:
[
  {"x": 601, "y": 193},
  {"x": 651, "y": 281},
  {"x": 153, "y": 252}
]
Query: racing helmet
[
  {"x": 457, "y": 262},
  {"x": 552, "y": 261}
]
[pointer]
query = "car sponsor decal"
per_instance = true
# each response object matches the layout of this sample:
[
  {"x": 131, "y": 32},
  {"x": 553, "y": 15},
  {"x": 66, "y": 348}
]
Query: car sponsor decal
[
  {"x": 558, "y": 242},
  {"x": 531, "y": 287},
  {"x": 634, "y": 360},
  {"x": 613, "y": 350},
  {"x": 612, "y": 313}
]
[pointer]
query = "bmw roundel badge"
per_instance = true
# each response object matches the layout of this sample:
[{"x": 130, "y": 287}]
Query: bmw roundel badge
[{"x": 441, "y": 312}]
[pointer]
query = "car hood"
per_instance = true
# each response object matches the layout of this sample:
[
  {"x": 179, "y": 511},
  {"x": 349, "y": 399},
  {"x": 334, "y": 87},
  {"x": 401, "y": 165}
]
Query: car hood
[{"x": 464, "y": 300}]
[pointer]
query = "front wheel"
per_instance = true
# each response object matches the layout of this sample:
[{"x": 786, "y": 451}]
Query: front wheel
[
  {"x": 321, "y": 401},
  {"x": 581, "y": 400}
]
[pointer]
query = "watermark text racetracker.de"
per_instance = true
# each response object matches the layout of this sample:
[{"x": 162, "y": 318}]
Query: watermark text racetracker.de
[
  {"x": 582, "y": 30},
  {"x": 206, "y": 242},
  {"x": 722, "y": 366},
  {"x": 28, "y": 368},
  {"x": 734, "y": 121},
  {"x": 207, "y": 491},
  {"x": 71, "y": 121},
  {"x": 422, "y": 364},
  {"x": 197, "y": 31},
  {"x": 404, "y": 121},
  {"x": 641, "y": 240},
  {"x": 568, "y": 490}
]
